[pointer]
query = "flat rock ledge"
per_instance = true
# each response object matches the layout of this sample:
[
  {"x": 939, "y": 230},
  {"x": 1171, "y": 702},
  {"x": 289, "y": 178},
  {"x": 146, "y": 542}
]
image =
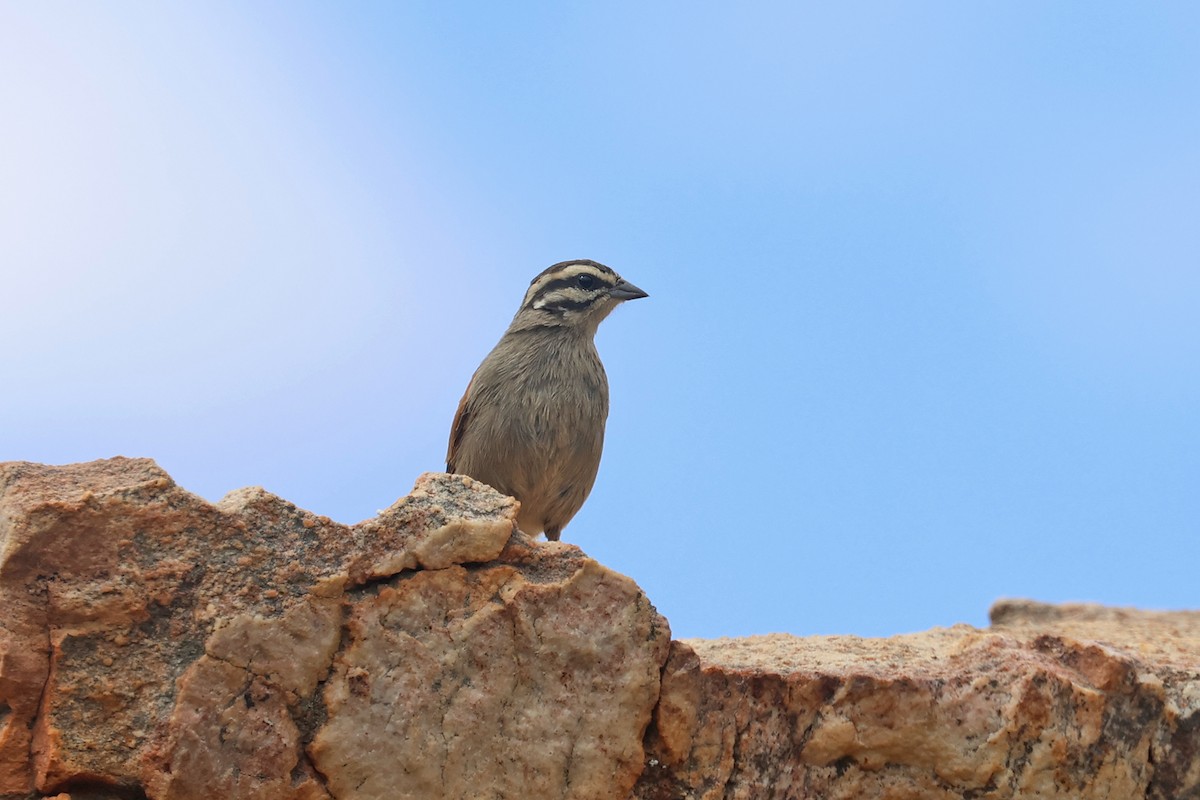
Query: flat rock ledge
[{"x": 154, "y": 645}]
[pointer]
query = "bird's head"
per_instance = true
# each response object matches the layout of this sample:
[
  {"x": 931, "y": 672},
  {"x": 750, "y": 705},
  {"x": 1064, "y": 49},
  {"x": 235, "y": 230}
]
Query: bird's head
[{"x": 575, "y": 294}]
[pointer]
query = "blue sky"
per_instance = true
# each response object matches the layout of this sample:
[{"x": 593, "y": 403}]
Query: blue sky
[{"x": 924, "y": 324}]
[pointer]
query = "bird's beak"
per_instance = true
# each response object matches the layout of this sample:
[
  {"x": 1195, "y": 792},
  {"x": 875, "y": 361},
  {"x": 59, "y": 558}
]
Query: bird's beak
[{"x": 626, "y": 291}]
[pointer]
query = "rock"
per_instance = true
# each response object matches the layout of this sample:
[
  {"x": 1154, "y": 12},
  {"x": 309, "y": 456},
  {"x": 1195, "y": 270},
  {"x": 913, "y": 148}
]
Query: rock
[
  {"x": 1165, "y": 645},
  {"x": 494, "y": 682},
  {"x": 1052, "y": 702},
  {"x": 154, "y": 643}
]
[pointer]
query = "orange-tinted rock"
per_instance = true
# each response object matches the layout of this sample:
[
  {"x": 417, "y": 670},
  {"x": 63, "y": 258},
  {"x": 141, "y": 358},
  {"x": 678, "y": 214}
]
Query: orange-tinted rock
[
  {"x": 494, "y": 681},
  {"x": 153, "y": 642},
  {"x": 1050, "y": 703}
]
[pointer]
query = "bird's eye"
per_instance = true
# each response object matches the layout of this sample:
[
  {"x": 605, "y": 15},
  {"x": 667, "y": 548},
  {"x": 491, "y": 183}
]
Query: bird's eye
[{"x": 586, "y": 281}]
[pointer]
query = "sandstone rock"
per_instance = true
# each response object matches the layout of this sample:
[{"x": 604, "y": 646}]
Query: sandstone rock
[
  {"x": 154, "y": 643},
  {"x": 1052, "y": 702}
]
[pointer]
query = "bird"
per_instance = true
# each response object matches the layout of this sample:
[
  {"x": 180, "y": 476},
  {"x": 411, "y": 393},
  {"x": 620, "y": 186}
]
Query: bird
[{"x": 531, "y": 422}]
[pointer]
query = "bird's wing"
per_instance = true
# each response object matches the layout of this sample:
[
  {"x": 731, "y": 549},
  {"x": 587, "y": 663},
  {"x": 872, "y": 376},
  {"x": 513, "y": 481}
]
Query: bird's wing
[{"x": 458, "y": 428}]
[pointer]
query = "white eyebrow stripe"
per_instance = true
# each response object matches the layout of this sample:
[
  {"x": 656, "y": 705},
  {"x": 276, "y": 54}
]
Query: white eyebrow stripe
[
  {"x": 575, "y": 270},
  {"x": 565, "y": 274}
]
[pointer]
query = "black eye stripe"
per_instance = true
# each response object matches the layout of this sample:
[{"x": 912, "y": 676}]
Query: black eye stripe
[{"x": 564, "y": 283}]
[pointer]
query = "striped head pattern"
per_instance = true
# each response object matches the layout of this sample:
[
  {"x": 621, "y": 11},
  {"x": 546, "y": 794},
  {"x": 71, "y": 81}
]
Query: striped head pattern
[{"x": 580, "y": 292}]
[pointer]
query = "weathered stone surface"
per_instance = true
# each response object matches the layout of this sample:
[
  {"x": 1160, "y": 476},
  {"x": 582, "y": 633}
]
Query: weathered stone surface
[
  {"x": 492, "y": 682},
  {"x": 154, "y": 643},
  {"x": 1163, "y": 646},
  {"x": 1052, "y": 702}
]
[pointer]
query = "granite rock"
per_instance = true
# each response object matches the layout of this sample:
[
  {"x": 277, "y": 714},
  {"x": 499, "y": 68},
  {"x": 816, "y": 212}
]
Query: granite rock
[
  {"x": 1051, "y": 702},
  {"x": 155, "y": 644}
]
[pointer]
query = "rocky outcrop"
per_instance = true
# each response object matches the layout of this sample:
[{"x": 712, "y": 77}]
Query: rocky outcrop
[
  {"x": 155, "y": 645},
  {"x": 152, "y": 643},
  {"x": 1052, "y": 702}
]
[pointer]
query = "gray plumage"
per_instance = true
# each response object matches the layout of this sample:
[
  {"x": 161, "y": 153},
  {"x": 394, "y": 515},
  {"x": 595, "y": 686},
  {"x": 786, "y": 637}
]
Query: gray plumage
[{"x": 531, "y": 422}]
